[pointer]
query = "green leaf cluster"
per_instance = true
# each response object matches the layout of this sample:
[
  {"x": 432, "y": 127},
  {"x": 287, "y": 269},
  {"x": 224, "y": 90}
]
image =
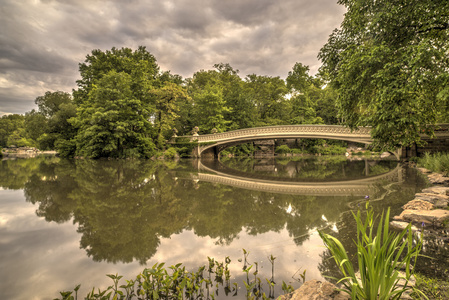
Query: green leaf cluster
[
  {"x": 381, "y": 254},
  {"x": 389, "y": 63}
]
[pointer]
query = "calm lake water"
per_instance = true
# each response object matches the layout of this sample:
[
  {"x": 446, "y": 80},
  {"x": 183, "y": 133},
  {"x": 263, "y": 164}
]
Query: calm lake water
[{"x": 69, "y": 222}]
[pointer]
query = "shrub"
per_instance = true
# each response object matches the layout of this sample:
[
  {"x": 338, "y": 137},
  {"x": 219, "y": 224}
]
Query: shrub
[
  {"x": 437, "y": 162},
  {"x": 170, "y": 153},
  {"x": 282, "y": 149},
  {"x": 380, "y": 256}
]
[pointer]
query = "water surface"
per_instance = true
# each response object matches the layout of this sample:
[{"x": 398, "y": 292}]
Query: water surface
[{"x": 65, "y": 222}]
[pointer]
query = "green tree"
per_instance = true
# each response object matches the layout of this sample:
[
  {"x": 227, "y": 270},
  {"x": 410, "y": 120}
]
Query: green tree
[
  {"x": 50, "y": 103},
  {"x": 140, "y": 65},
  {"x": 113, "y": 122},
  {"x": 35, "y": 125},
  {"x": 389, "y": 62},
  {"x": 210, "y": 109},
  {"x": 168, "y": 100},
  {"x": 8, "y": 125},
  {"x": 49, "y": 127},
  {"x": 267, "y": 95},
  {"x": 241, "y": 113},
  {"x": 305, "y": 92}
]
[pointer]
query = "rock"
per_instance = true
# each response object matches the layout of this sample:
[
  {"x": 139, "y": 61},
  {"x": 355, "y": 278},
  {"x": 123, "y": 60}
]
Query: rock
[
  {"x": 385, "y": 154},
  {"x": 437, "y": 190},
  {"x": 316, "y": 290},
  {"x": 439, "y": 200},
  {"x": 436, "y": 178},
  {"x": 400, "y": 225},
  {"x": 436, "y": 217},
  {"x": 424, "y": 170},
  {"x": 418, "y": 204}
]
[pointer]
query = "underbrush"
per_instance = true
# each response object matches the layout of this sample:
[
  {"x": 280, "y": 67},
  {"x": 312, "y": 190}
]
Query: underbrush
[
  {"x": 433, "y": 288},
  {"x": 437, "y": 162}
]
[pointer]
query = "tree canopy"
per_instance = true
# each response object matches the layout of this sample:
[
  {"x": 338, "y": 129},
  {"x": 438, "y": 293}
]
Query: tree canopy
[
  {"x": 125, "y": 106},
  {"x": 389, "y": 62}
]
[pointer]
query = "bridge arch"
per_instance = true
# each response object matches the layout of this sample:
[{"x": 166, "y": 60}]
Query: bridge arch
[{"x": 215, "y": 143}]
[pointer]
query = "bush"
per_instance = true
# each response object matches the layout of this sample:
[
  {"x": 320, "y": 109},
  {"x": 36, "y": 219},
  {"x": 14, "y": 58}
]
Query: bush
[
  {"x": 438, "y": 162},
  {"x": 170, "y": 153},
  {"x": 283, "y": 149},
  {"x": 380, "y": 256}
]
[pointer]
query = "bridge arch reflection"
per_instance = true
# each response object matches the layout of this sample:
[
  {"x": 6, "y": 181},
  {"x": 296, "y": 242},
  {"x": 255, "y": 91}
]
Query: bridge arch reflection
[{"x": 216, "y": 172}]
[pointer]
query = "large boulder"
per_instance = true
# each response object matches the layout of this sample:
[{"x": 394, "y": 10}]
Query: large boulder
[
  {"x": 437, "y": 190},
  {"x": 437, "y": 178},
  {"x": 316, "y": 290},
  {"x": 419, "y": 204},
  {"x": 436, "y": 217},
  {"x": 439, "y": 200}
]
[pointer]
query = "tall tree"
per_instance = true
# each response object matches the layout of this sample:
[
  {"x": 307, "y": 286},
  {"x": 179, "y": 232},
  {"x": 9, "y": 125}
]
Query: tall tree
[
  {"x": 113, "y": 122},
  {"x": 267, "y": 94},
  {"x": 35, "y": 125},
  {"x": 168, "y": 101},
  {"x": 56, "y": 108},
  {"x": 389, "y": 61},
  {"x": 50, "y": 103},
  {"x": 8, "y": 125},
  {"x": 139, "y": 64},
  {"x": 305, "y": 92},
  {"x": 210, "y": 109},
  {"x": 115, "y": 105}
]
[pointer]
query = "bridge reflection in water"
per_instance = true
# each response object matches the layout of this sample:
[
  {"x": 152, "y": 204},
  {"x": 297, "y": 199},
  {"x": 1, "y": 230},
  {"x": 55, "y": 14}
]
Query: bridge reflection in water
[{"x": 215, "y": 172}]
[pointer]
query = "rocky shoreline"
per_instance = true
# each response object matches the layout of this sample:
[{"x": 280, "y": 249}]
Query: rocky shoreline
[{"x": 429, "y": 210}]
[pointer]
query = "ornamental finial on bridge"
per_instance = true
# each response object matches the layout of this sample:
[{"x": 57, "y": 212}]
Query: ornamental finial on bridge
[{"x": 195, "y": 130}]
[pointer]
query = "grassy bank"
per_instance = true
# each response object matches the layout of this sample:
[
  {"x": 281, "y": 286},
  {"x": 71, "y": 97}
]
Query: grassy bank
[{"x": 437, "y": 162}]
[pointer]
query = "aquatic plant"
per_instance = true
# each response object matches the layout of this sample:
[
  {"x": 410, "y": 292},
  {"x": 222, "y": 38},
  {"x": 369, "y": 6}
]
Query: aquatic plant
[
  {"x": 175, "y": 282},
  {"x": 381, "y": 255}
]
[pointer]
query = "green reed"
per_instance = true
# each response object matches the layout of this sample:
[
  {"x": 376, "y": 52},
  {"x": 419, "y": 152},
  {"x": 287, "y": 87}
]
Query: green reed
[
  {"x": 175, "y": 282},
  {"x": 381, "y": 254}
]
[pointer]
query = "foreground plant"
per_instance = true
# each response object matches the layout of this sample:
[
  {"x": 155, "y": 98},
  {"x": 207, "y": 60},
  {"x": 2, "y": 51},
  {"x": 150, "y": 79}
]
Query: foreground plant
[
  {"x": 177, "y": 283},
  {"x": 381, "y": 255}
]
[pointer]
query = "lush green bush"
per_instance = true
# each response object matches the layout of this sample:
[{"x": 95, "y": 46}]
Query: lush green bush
[
  {"x": 381, "y": 255},
  {"x": 170, "y": 153},
  {"x": 438, "y": 162},
  {"x": 246, "y": 149},
  {"x": 328, "y": 150},
  {"x": 283, "y": 149},
  {"x": 184, "y": 147}
]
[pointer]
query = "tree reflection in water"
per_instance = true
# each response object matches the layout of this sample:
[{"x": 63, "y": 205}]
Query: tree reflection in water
[{"x": 123, "y": 208}]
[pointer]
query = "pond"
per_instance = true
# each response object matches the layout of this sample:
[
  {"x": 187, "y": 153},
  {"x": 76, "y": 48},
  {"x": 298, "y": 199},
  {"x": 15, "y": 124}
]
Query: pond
[{"x": 69, "y": 222}]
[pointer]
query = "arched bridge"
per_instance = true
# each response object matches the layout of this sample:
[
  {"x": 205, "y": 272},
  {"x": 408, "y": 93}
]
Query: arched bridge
[
  {"x": 215, "y": 143},
  {"x": 212, "y": 144}
]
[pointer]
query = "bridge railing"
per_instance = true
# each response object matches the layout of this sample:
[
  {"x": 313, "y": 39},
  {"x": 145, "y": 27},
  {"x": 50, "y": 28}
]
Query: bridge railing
[{"x": 283, "y": 129}]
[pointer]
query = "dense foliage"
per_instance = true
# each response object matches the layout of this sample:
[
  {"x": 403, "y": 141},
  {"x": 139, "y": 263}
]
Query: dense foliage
[
  {"x": 389, "y": 62},
  {"x": 437, "y": 162},
  {"x": 385, "y": 67},
  {"x": 126, "y": 107}
]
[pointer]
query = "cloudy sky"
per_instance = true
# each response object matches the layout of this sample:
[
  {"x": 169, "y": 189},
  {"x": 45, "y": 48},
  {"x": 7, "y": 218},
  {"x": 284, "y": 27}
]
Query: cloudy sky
[{"x": 42, "y": 41}]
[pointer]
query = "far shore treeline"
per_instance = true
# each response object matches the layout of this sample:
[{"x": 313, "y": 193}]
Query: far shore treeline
[
  {"x": 385, "y": 67},
  {"x": 125, "y": 106}
]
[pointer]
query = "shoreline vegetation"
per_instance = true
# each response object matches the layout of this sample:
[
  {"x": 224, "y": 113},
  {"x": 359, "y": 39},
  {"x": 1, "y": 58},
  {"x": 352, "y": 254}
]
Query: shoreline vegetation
[
  {"x": 157, "y": 282},
  {"x": 175, "y": 282},
  {"x": 386, "y": 256}
]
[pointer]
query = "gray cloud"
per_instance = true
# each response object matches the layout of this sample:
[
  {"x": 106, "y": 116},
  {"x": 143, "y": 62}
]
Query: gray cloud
[{"x": 42, "y": 41}]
